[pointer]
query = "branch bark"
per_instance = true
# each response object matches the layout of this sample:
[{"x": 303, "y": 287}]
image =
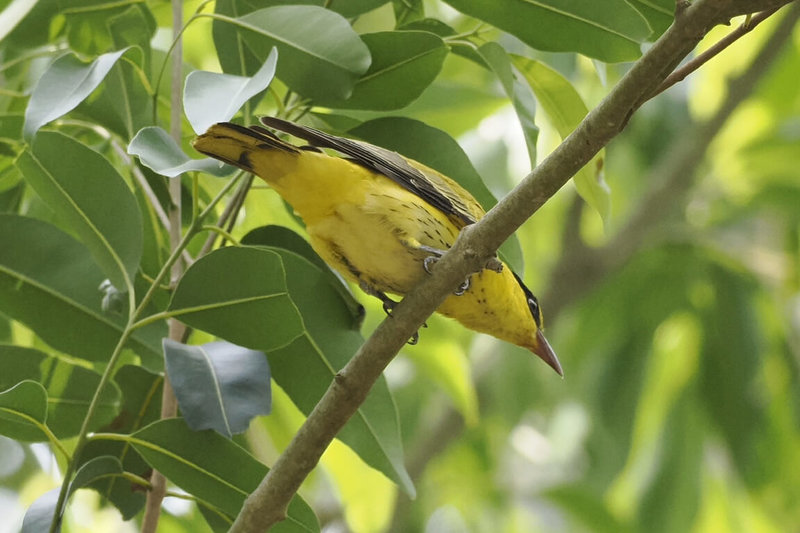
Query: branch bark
[{"x": 476, "y": 244}]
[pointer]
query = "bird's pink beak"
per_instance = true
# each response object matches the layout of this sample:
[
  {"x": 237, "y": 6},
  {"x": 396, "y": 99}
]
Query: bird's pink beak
[{"x": 546, "y": 353}]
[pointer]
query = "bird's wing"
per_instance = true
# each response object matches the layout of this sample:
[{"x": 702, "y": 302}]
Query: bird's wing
[{"x": 436, "y": 189}]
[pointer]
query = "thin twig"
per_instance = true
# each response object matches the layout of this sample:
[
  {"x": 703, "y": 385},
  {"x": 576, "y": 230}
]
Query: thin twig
[{"x": 743, "y": 29}]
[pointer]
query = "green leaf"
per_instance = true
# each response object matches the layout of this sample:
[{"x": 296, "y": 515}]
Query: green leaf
[
  {"x": 408, "y": 11},
  {"x": 40, "y": 514},
  {"x": 658, "y": 13},
  {"x": 518, "y": 92},
  {"x": 212, "y": 468},
  {"x": 404, "y": 63},
  {"x": 90, "y": 24},
  {"x": 306, "y": 367},
  {"x": 239, "y": 294},
  {"x": 23, "y": 411},
  {"x": 49, "y": 282},
  {"x": 204, "y": 91},
  {"x": 69, "y": 388},
  {"x": 69, "y": 391},
  {"x": 219, "y": 385},
  {"x": 438, "y": 150},
  {"x": 610, "y": 30},
  {"x": 141, "y": 392},
  {"x": 565, "y": 108},
  {"x": 321, "y": 55},
  {"x": 85, "y": 191},
  {"x": 65, "y": 84},
  {"x": 160, "y": 153},
  {"x": 122, "y": 102},
  {"x": 283, "y": 237}
]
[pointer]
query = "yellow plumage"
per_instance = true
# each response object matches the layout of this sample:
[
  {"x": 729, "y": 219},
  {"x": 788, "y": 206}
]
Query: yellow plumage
[{"x": 377, "y": 216}]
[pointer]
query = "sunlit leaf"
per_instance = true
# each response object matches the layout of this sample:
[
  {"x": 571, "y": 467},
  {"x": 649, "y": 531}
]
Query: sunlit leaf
[
  {"x": 65, "y": 84},
  {"x": 565, "y": 108},
  {"x": 210, "y": 97},
  {"x": 518, "y": 92},
  {"x": 159, "y": 152},
  {"x": 40, "y": 514}
]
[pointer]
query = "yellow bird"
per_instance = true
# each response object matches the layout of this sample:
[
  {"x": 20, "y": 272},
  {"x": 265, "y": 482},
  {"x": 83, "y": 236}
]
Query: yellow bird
[{"x": 381, "y": 220}]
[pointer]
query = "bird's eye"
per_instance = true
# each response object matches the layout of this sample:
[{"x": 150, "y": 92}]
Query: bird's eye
[{"x": 533, "y": 304}]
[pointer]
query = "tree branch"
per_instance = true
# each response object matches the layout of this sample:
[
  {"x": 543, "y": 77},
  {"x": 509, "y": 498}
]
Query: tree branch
[{"x": 474, "y": 246}]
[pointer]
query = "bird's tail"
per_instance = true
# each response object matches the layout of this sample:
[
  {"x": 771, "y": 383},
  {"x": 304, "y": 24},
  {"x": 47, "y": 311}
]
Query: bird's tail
[{"x": 235, "y": 144}]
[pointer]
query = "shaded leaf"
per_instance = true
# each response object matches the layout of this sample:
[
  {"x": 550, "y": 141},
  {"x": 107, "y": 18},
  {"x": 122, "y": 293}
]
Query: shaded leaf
[
  {"x": 65, "y": 84},
  {"x": 219, "y": 385},
  {"x": 85, "y": 191},
  {"x": 283, "y": 237},
  {"x": 23, "y": 411},
  {"x": 438, "y": 150},
  {"x": 49, "y": 282},
  {"x": 239, "y": 294},
  {"x": 565, "y": 108},
  {"x": 204, "y": 91},
  {"x": 610, "y": 31},
  {"x": 70, "y": 389},
  {"x": 659, "y": 14},
  {"x": 212, "y": 468},
  {"x": 160, "y": 153},
  {"x": 404, "y": 63}
]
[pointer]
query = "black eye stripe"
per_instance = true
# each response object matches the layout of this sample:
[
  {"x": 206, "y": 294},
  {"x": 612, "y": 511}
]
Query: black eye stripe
[{"x": 533, "y": 303}]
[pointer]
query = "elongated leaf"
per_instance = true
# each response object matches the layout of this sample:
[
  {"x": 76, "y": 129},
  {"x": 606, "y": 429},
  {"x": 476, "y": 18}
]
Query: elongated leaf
[
  {"x": 219, "y": 385},
  {"x": 13, "y": 14},
  {"x": 87, "y": 192},
  {"x": 321, "y": 55},
  {"x": 305, "y": 368},
  {"x": 210, "y": 97},
  {"x": 212, "y": 468},
  {"x": 65, "y": 84},
  {"x": 565, "y": 109},
  {"x": 160, "y": 153},
  {"x": 239, "y": 294},
  {"x": 49, "y": 282},
  {"x": 610, "y": 30},
  {"x": 438, "y": 150},
  {"x": 23, "y": 411},
  {"x": 518, "y": 92},
  {"x": 404, "y": 63}
]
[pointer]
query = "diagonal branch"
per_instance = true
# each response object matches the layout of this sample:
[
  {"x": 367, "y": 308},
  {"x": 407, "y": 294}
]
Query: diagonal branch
[{"x": 476, "y": 244}]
